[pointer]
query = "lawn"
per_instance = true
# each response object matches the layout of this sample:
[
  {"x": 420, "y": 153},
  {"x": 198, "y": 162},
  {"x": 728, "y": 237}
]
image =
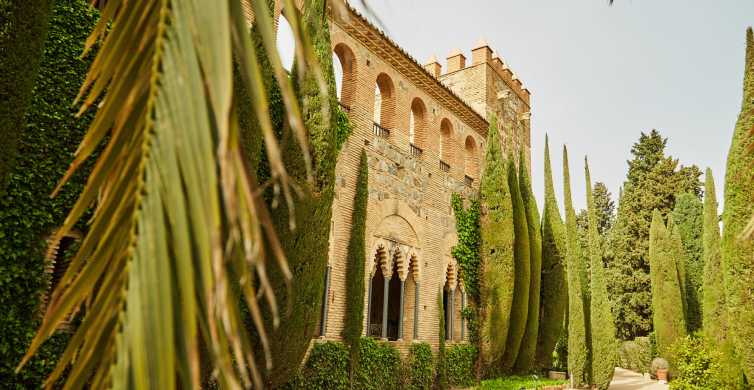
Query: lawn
[{"x": 518, "y": 382}]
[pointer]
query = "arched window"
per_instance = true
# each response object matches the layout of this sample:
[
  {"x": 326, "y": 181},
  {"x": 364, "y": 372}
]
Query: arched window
[
  {"x": 416, "y": 126},
  {"x": 446, "y": 144},
  {"x": 470, "y": 161},
  {"x": 345, "y": 74},
  {"x": 384, "y": 104},
  {"x": 449, "y": 302},
  {"x": 286, "y": 43}
]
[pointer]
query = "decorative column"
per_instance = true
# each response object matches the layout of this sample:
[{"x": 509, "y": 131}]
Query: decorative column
[
  {"x": 369, "y": 307},
  {"x": 384, "y": 307},
  {"x": 323, "y": 324},
  {"x": 416, "y": 309},
  {"x": 400, "y": 315}
]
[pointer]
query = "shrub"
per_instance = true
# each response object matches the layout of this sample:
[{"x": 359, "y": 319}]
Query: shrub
[
  {"x": 379, "y": 366},
  {"x": 658, "y": 363},
  {"x": 697, "y": 366},
  {"x": 419, "y": 367},
  {"x": 636, "y": 354},
  {"x": 326, "y": 368},
  {"x": 459, "y": 361}
]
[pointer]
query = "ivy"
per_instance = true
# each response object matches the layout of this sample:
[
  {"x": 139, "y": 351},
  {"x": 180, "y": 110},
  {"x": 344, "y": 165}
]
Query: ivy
[
  {"x": 460, "y": 360},
  {"x": 419, "y": 367},
  {"x": 466, "y": 252}
]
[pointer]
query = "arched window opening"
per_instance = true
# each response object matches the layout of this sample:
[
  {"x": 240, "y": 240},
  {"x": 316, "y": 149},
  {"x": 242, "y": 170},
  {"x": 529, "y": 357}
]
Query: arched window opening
[
  {"x": 394, "y": 305},
  {"x": 470, "y": 163},
  {"x": 384, "y": 105},
  {"x": 448, "y": 302},
  {"x": 446, "y": 144},
  {"x": 416, "y": 126},
  {"x": 345, "y": 74},
  {"x": 376, "y": 297},
  {"x": 285, "y": 43}
]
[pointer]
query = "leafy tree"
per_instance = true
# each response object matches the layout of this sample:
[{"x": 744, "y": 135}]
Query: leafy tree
[
  {"x": 526, "y": 356},
  {"x": 652, "y": 182},
  {"x": 667, "y": 297},
  {"x": 687, "y": 216},
  {"x": 579, "y": 340},
  {"x": 738, "y": 263},
  {"x": 602, "y": 330},
  {"x": 714, "y": 313},
  {"x": 553, "y": 291},
  {"x": 496, "y": 227},
  {"x": 522, "y": 274}
]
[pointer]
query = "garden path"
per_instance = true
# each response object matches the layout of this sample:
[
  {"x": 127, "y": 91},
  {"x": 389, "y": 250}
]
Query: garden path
[{"x": 629, "y": 380}]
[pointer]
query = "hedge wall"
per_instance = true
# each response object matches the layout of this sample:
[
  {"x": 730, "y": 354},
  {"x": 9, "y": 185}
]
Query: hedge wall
[
  {"x": 23, "y": 30},
  {"x": 27, "y": 214},
  {"x": 460, "y": 360},
  {"x": 420, "y": 367}
]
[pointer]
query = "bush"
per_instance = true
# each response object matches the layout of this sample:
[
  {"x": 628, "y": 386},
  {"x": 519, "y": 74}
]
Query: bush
[
  {"x": 378, "y": 367},
  {"x": 419, "y": 367},
  {"x": 698, "y": 366},
  {"x": 459, "y": 363},
  {"x": 326, "y": 368},
  {"x": 658, "y": 363},
  {"x": 636, "y": 354}
]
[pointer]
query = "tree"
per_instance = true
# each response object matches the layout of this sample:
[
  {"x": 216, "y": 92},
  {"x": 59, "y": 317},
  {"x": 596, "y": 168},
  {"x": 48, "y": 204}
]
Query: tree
[
  {"x": 171, "y": 162},
  {"x": 602, "y": 329},
  {"x": 714, "y": 313},
  {"x": 687, "y": 216},
  {"x": 522, "y": 274},
  {"x": 652, "y": 182},
  {"x": 667, "y": 298},
  {"x": 579, "y": 340},
  {"x": 525, "y": 360},
  {"x": 738, "y": 263},
  {"x": 498, "y": 270},
  {"x": 553, "y": 292}
]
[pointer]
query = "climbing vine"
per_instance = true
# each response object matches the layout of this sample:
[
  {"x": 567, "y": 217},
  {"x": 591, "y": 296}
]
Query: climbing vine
[{"x": 466, "y": 252}]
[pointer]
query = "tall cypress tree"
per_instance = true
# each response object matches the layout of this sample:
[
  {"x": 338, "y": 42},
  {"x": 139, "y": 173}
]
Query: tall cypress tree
[
  {"x": 667, "y": 298},
  {"x": 687, "y": 215},
  {"x": 496, "y": 251},
  {"x": 553, "y": 291},
  {"x": 604, "y": 344},
  {"x": 713, "y": 311},
  {"x": 525, "y": 360},
  {"x": 578, "y": 337},
  {"x": 522, "y": 260},
  {"x": 738, "y": 261}
]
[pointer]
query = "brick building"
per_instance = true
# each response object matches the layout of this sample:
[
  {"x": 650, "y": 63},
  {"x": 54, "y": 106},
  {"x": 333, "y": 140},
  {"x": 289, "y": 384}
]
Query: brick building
[{"x": 424, "y": 133}]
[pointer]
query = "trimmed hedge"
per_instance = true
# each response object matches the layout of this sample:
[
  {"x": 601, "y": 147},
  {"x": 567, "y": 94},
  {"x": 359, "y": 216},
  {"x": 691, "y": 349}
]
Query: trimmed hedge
[
  {"x": 27, "y": 213},
  {"x": 326, "y": 368},
  {"x": 738, "y": 264},
  {"x": 522, "y": 274},
  {"x": 553, "y": 291},
  {"x": 460, "y": 360},
  {"x": 636, "y": 354},
  {"x": 420, "y": 367}
]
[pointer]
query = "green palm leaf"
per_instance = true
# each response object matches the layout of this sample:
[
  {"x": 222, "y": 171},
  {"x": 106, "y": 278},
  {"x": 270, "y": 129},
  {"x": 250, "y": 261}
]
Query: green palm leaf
[{"x": 179, "y": 228}]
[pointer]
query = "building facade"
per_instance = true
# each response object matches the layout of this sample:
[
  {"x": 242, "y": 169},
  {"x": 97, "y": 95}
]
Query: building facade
[{"x": 424, "y": 133}]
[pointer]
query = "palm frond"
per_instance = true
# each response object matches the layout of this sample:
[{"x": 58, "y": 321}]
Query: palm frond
[{"x": 179, "y": 227}]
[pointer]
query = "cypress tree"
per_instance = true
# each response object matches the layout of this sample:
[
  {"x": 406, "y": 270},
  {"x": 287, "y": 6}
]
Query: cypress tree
[
  {"x": 522, "y": 259},
  {"x": 496, "y": 229},
  {"x": 604, "y": 345},
  {"x": 525, "y": 360},
  {"x": 738, "y": 261},
  {"x": 679, "y": 258},
  {"x": 667, "y": 300},
  {"x": 578, "y": 337},
  {"x": 354, "y": 321},
  {"x": 687, "y": 215},
  {"x": 714, "y": 285},
  {"x": 553, "y": 292}
]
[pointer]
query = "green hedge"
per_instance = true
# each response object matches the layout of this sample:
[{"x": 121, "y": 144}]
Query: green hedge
[
  {"x": 420, "y": 367},
  {"x": 379, "y": 366},
  {"x": 459, "y": 362},
  {"x": 326, "y": 368},
  {"x": 27, "y": 214},
  {"x": 635, "y": 355}
]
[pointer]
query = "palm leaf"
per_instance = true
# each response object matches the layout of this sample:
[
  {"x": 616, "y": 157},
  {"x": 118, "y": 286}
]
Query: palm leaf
[{"x": 179, "y": 227}]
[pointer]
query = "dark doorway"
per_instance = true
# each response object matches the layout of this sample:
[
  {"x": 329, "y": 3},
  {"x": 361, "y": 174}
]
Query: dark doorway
[
  {"x": 375, "y": 312},
  {"x": 445, "y": 311},
  {"x": 394, "y": 306}
]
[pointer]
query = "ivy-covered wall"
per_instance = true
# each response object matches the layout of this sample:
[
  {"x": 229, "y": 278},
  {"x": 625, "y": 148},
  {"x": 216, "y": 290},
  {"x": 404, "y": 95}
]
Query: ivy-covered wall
[{"x": 27, "y": 213}]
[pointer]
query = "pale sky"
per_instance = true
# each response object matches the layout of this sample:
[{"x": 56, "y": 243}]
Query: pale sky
[{"x": 600, "y": 75}]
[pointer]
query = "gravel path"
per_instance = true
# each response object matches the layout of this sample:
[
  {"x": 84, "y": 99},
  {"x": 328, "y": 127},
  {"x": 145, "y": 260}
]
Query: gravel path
[{"x": 629, "y": 380}]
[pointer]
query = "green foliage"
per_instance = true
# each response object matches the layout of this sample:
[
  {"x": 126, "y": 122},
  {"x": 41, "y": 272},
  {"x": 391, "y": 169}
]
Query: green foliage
[
  {"x": 578, "y": 333},
  {"x": 420, "y": 367},
  {"x": 22, "y": 35},
  {"x": 379, "y": 366},
  {"x": 526, "y": 356},
  {"x": 28, "y": 215},
  {"x": 636, "y": 354},
  {"x": 466, "y": 252},
  {"x": 518, "y": 383},
  {"x": 522, "y": 275},
  {"x": 496, "y": 251},
  {"x": 553, "y": 292},
  {"x": 652, "y": 182},
  {"x": 713, "y": 310},
  {"x": 687, "y": 216},
  {"x": 459, "y": 362},
  {"x": 698, "y": 367},
  {"x": 602, "y": 329},
  {"x": 667, "y": 298},
  {"x": 738, "y": 264},
  {"x": 326, "y": 368},
  {"x": 354, "y": 318}
]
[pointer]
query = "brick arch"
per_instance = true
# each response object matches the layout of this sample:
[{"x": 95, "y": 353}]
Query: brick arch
[
  {"x": 384, "y": 101},
  {"x": 417, "y": 132},
  {"x": 380, "y": 257},
  {"x": 446, "y": 141},
  {"x": 470, "y": 158},
  {"x": 349, "y": 66}
]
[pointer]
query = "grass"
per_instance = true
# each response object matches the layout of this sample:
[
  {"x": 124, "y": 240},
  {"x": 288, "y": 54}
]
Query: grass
[{"x": 518, "y": 382}]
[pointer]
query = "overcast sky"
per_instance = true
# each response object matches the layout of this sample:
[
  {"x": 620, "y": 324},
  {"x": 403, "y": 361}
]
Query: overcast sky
[{"x": 600, "y": 75}]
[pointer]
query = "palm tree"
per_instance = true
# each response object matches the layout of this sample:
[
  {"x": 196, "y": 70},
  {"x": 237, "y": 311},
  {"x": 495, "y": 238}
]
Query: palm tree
[{"x": 179, "y": 228}]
